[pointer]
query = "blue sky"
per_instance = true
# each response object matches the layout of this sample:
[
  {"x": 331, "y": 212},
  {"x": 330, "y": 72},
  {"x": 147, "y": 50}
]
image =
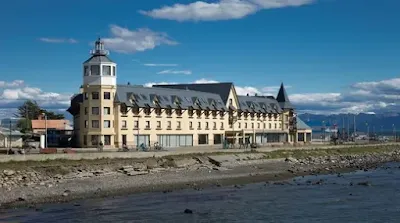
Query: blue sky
[{"x": 321, "y": 49}]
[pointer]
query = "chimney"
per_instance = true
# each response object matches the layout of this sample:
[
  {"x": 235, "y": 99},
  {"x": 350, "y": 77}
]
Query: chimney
[
  {"x": 247, "y": 94},
  {"x": 129, "y": 83}
]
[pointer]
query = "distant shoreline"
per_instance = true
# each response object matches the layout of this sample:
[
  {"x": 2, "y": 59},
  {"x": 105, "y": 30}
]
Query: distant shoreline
[{"x": 79, "y": 180}]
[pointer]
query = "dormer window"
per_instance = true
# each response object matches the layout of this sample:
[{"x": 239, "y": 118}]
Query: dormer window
[
  {"x": 190, "y": 112},
  {"x": 168, "y": 111},
  {"x": 178, "y": 112},
  {"x": 214, "y": 114},
  {"x": 147, "y": 111},
  {"x": 221, "y": 113},
  {"x": 198, "y": 113},
  {"x": 135, "y": 110},
  {"x": 158, "y": 111},
  {"x": 207, "y": 113}
]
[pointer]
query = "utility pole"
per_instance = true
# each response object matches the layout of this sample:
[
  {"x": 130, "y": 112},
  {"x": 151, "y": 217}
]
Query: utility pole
[{"x": 354, "y": 128}]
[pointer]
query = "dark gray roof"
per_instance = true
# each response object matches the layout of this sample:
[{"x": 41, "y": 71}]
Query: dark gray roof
[
  {"x": 98, "y": 59},
  {"x": 283, "y": 99},
  {"x": 221, "y": 89},
  {"x": 258, "y": 104},
  {"x": 144, "y": 96},
  {"x": 302, "y": 125}
]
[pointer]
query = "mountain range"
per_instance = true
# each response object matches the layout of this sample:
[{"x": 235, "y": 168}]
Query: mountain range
[{"x": 376, "y": 122}]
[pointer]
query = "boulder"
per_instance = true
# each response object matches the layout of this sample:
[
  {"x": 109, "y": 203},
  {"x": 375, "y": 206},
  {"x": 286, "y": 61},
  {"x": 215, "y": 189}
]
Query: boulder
[
  {"x": 151, "y": 163},
  {"x": 8, "y": 172},
  {"x": 184, "y": 162}
]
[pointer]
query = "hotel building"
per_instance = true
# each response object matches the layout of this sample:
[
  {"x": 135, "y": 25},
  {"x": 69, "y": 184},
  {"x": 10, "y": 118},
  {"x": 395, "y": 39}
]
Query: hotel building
[{"x": 176, "y": 115}]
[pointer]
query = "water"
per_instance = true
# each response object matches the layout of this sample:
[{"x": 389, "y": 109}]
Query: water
[{"x": 333, "y": 201}]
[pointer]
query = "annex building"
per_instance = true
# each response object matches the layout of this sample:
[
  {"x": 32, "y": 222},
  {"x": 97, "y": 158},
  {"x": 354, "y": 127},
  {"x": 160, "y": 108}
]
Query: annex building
[{"x": 176, "y": 115}]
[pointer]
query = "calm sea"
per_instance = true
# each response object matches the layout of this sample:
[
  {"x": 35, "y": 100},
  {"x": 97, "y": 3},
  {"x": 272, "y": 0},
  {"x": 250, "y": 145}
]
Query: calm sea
[{"x": 333, "y": 201}]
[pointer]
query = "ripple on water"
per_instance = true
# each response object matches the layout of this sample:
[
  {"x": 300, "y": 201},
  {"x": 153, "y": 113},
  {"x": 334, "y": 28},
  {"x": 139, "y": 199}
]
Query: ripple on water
[{"x": 332, "y": 201}]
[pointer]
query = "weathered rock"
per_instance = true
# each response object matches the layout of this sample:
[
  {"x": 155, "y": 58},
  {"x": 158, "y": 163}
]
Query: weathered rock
[
  {"x": 8, "y": 172},
  {"x": 180, "y": 163},
  {"x": 151, "y": 163},
  {"x": 65, "y": 194},
  {"x": 139, "y": 166},
  {"x": 204, "y": 160},
  {"x": 135, "y": 173}
]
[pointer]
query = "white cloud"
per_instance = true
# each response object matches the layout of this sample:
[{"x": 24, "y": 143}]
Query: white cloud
[
  {"x": 204, "y": 81},
  {"x": 219, "y": 10},
  {"x": 58, "y": 40},
  {"x": 15, "y": 83},
  {"x": 123, "y": 40},
  {"x": 15, "y": 93},
  {"x": 150, "y": 84},
  {"x": 159, "y": 65},
  {"x": 185, "y": 72}
]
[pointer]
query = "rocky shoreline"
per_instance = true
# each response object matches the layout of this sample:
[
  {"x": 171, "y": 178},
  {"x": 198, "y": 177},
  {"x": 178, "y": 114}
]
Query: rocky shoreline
[{"x": 60, "y": 183}]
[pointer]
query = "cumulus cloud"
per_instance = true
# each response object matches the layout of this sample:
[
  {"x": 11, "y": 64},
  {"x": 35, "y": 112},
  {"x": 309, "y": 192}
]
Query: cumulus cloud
[
  {"x": 13, "y": 94},
  {"x": 15, "y": 83},
  {"x": 58, "y": 40},
  {"x": 204, "y": 81},
  {"x": 185, "y": 72},
  {"x": 219, "y": 10},
  {"x": 123, "y": 40}
]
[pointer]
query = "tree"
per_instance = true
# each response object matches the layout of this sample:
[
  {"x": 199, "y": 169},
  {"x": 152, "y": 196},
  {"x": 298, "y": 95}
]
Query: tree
[{"x": 30, "y": 110}]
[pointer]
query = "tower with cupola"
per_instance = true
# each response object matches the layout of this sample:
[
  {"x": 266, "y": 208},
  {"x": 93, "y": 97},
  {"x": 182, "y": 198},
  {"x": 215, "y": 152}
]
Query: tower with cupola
[{"x": 98, "y": 90}]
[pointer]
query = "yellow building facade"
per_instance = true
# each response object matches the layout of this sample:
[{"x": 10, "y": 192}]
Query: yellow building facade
[{"x": 175, "y": 115}]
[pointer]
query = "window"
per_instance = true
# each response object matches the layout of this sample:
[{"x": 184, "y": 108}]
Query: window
[
  {"x": 95, "y": 111},
  {"x": 207, "y": 113},
  {"x": 136, "y": 124},
  {"x": 252, "y": 125},
  {"x": 270, "y": 126},
  {"x": 215, "y": 125},
  {"x": 239, "y": 125},
  {"x": 191, "y": 125},
  {"x": 86, "y": 96},
  {"x": 113, "y": 71},
  {"x": 106, "y": 70},
  {"x": 107, "y": 124},
  {"x": 107, "y": 140},
  {"x": 84, "y": 140},
  {"x": 198, "y": 113},
  {"x": 275, "y": 125},
  {"x": 86, "y": 123},
  {"x": 206, "y": 125},
  {"x": 264, "y": 125},
  {"x": 222, "y": 125},
  {"x": 95, "y": 70},
  {"x": 158, "y": 124},
  {"x": 168, "y": 111},
  {"x": 158, "y": 111},
  {"x": 95, "y": 140},
  {"x": 245, "y": 125},
  {"x": 95, "y": 124},
  {"x": 107, "y": 95},
  {"x": 147, "y": 124},
  {"x": 258, "y": 125},
  {"x": 230, "y": 101},
  {"x": 199, "y": 125},
  {"x": 178, "y": 112},
  {"x": 95, "y": 95},
  {"x": 86, "y": 71},
  {"x": 169, "y": 124},
  {"x": 107, "y": 110},
  {"x": 124, "y": 124},
  {"x": 147, "y": 111},
  {"x": 178, "y": 125},
  {"x": 124, "y": 140},
  {"x": 221, "y": 113},
  {"x": 86, "y": 110},
  {"x": 190, "y": 112},
  {"x": 135, "y": 110}
]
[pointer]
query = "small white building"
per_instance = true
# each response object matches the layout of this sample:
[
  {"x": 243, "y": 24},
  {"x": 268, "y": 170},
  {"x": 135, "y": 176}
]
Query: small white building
[{"x": 16, "y": 138}]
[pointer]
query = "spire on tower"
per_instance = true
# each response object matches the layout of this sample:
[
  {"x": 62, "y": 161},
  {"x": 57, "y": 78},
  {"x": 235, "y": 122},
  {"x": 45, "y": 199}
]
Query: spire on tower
[
  {"x": 283, "y": 98},
  {"x": 99, "y": 48}
]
